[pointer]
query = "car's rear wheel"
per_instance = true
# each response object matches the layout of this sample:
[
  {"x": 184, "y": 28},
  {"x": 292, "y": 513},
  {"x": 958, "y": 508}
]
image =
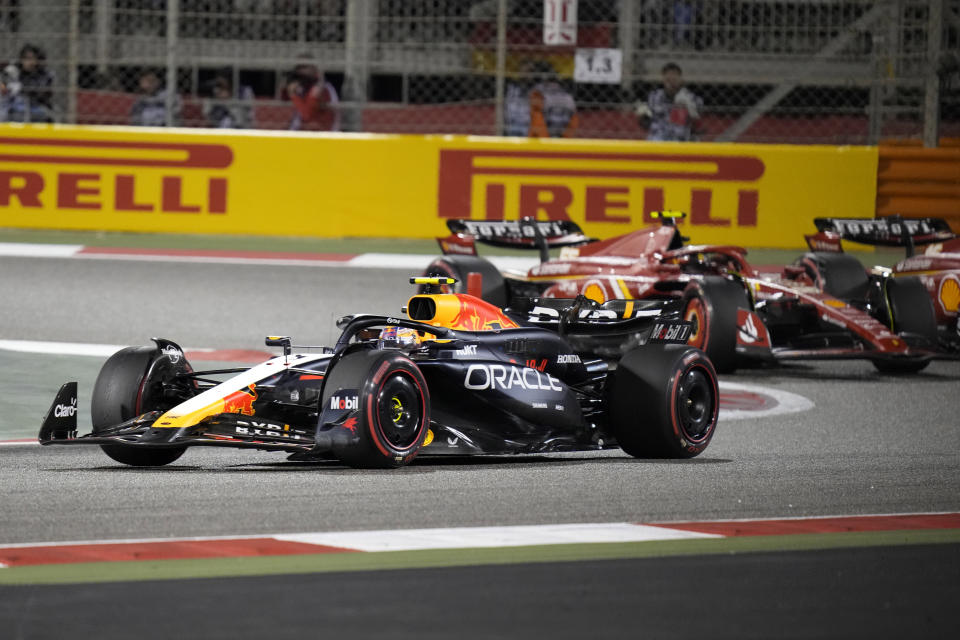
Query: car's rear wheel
[
  {"x": 131, "y": 383},
  {"x": 710, "y": 305},
  {"x": 910, "y": 312},
  {"x": 459, "y": 267},
  {"x": 663, "y": 401},
  {"x": 837, "y": 274},
  {"x": 393, "y": 408}
]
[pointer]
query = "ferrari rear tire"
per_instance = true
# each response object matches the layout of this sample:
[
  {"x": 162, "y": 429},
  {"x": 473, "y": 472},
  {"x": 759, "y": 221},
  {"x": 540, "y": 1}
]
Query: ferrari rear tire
[
  {"x": 664, "y": 401},
  {"x": 910, "y": 312},
  {"x": 837, "y": 274},
  {"x": 393, "y": 408},
  {"x": 130, "y": 384},
  {"x": 711, "y": 305},
  {"x": 459, "y": 267}
]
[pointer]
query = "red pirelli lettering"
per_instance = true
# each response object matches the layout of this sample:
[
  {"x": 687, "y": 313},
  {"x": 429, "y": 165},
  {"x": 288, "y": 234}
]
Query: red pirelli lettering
[
  {"x": 70, "y": 188},
  {"x": 25, "y": 186},
  {"x": 458, "y": 167}
]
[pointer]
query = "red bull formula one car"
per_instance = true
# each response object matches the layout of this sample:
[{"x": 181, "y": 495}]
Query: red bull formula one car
[
  {"x": 455, "y": 376},
  {"x": 821, "y": 307}
]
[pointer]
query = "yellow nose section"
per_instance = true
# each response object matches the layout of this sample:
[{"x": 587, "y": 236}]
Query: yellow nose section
[{"x": 172, "y": 420}]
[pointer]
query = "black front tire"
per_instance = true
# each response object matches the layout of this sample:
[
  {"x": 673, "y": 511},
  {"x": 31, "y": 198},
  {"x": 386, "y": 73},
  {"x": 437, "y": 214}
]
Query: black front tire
[
  {"x": 910, "y": 311},
  {"x": 711, "y": 305},
  {"x": 459, "y": 267},
  {"x": 837, "y": 274},
  {"x": 393, "y": 414},
  {"x": 130, "y": 384},
  {"x": 664, "y": 401}
]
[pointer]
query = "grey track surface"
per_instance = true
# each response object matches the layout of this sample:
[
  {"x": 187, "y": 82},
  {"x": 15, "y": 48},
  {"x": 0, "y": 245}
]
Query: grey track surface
[{"x": 872, "y": 444}]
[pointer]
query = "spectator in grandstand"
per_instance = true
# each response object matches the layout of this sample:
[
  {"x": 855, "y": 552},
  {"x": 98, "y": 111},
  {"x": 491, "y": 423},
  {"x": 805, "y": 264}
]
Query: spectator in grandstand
[
  {"x": 227, "y": 110},
  {"x": 516, "y": 103},
  {"x": 672, "y": 112},
  {"x": 150, "y": 109},
  {"x": 314, "y": 99},
  {"x": 553, "y": 111},
  {"x": 26, "y": 88}
]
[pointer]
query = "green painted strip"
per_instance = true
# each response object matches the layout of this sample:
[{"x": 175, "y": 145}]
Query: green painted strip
[{"x": 434, "y": 558}]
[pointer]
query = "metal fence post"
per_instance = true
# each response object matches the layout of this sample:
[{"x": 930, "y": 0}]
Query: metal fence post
[
  {"x": 173, "y": 21},
  {"x": 73, "y": 62},
  {"x": 356, "y": 57},
  {"x": 931, "y": 89},
  {"x": 501, "y": 66}
]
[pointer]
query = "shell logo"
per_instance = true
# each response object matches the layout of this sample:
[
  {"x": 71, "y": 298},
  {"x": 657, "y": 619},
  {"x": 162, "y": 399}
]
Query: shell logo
[
  {"x": 595, "y": 291},
  {"x": 949, "y": 294}
]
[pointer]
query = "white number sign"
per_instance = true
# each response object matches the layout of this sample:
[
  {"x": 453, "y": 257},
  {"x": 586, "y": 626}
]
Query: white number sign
[{"x": 598, "y": 65}]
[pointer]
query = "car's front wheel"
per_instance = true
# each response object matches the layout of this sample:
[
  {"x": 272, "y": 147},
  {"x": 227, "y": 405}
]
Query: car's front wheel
[
  {"x": 910, "y": 313},
  {"x": 131, "y": 383}
]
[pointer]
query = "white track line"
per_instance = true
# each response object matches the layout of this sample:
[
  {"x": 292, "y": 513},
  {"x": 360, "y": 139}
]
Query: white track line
[
  {"x": 75, "y": 348},
  {"x": 440, "y": 538},
  {"x": 39, "y": 250},
  {"x": 405, "y": 261},
  {"x": 473, "y": 537}
]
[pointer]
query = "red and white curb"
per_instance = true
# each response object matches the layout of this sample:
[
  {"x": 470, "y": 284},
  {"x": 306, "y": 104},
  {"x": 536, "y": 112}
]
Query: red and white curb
[
  {"x": 406, "y": 261},
  {"x": 26, "y": 554}
]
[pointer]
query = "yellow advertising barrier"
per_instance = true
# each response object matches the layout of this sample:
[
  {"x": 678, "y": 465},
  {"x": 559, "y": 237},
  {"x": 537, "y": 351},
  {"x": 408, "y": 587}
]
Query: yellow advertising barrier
[{"x": 338, "y": 185}]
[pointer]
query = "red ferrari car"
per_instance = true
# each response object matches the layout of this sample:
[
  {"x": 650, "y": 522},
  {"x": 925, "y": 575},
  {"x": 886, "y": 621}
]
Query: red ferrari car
[
  {"x": 938, "y": 267},
  {"x": 824, "y": 306}
]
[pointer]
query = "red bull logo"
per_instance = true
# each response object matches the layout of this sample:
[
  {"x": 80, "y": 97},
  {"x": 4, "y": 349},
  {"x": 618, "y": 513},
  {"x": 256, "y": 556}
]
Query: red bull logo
[
  {"x": 476, "y": 315},
  {"x": 241, "y": 401},
  {"x": 551, "y": 184}
]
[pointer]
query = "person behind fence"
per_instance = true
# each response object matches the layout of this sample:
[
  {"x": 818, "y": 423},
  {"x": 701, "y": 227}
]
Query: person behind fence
[
  {"x": 227, "y": 110},
  {"x": 314, "y": 99},
  {"x": 26, "y": 88},
  {"x": 150, "y": 109},
  {"x": 553, "y": 110},
  {"x": 516, "y": 103},
  {"x": 672, "y": 112}
]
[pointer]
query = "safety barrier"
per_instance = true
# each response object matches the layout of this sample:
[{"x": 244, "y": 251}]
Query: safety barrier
[
  {"x": 337, "y": 185},
  {"x": 917, "y": 182}
]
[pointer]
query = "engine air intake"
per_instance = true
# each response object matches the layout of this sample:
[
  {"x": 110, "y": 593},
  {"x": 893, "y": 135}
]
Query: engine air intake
[{"x": 422, "y": 308}]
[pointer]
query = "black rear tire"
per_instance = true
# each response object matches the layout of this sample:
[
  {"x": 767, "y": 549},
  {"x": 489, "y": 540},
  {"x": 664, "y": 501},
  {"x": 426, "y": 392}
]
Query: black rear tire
[
  {"x": 711, "y": 305},
  {"x": 459, "y": 267},
  {"x": 837, "y": 274},
  {"x": 393, "y": 414},
  {"x": 910, "y": 311},
  {"x": 130, "y": 384},
  {"x": 664, "y": 401}
]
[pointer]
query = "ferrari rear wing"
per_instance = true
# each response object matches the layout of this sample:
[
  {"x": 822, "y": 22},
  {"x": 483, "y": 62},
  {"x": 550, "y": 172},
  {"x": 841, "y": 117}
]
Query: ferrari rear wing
[
  {"x": 892, "y": 231},
  {"x": 526, "y": 233}
]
